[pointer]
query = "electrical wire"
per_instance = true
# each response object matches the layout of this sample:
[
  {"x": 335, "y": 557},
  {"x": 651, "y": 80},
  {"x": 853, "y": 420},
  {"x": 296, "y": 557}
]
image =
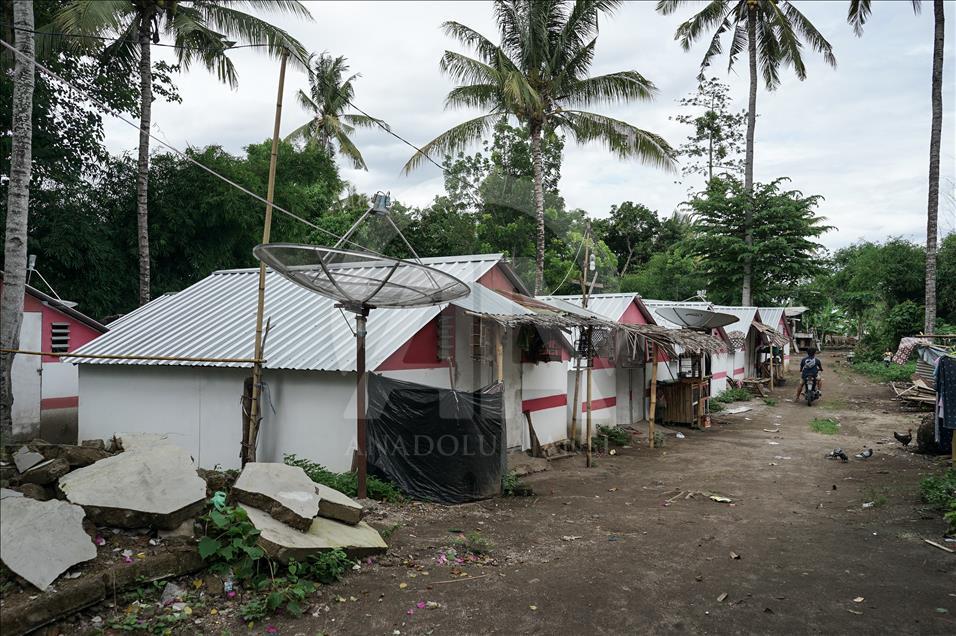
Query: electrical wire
[{"x": 571, "y": 268}]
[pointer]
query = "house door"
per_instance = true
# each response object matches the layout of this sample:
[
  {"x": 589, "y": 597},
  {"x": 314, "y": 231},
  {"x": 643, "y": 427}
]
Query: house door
[{"x": 26, "y": 376}]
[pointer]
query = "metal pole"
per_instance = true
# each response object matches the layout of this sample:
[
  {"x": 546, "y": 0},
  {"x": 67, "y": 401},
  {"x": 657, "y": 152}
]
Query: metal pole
[
  {"x": 360, "y": 322},
  {"x": 590, "y": 430},
  {"x": 249, "y": 452}
]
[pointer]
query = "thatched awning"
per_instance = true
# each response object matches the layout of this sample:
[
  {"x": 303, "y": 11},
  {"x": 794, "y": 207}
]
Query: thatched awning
[{"x": 772, "y": 336}]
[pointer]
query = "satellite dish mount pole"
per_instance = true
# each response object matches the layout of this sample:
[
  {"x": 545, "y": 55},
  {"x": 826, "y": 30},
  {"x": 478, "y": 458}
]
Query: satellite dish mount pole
[{"x": 361, "y": 317}]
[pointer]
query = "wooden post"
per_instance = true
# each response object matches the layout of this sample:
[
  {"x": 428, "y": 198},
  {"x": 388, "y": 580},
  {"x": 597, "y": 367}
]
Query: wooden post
[
  {"x": 771, "y": 366},
  {"x": 700, "y": 393},
  {"x": 360, "y": 323},
  {"x": 653, "y": 410},
  {"x": 249, "y": 451},
  {"x": 630, "y": 395},
  {"x": 574, "y": 403},
  {"x": 499, "y": 354}
]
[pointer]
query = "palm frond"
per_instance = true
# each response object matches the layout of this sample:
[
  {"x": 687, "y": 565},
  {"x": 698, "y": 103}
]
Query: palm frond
[
  {"x": 467, "y": 70},
  {"x": 857, "y": 15},
  {"x": 94, "y": 17},
  {"x": 737, "y": 45},
  {"x": 196, "y": 41},
  {"x": 487, "y": 51},
  {"x": 485, "y": 96},
  {"x": 768, "y": 54},
  {"x": 305, "y": 132},
  {"x": 714, "y": 49},
  {"x": 802, "y": 26},
  {"x": 348, "y": 149},
  {"x": 252, "y": 30},
  {"x": 364, "y": 121},
  {"x": 711, "y": 16},
  {"x": 454, "y": 139},
  {"x": 619, "y": 137},
  {"x": 307, "y": 103},
  {"x": 623, "y": 86}
]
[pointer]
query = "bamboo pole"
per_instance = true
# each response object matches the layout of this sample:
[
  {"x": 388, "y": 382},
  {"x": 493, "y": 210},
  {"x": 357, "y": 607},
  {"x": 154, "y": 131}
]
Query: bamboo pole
[
  {"x": 249, "y": 452},
  {"x": 98, "y": 356},
  {"x": 771, "y": 366},
  {"x": 590, "y": 430},
  {"x": 574, "y": 403},
  {"x": 653, "y": 409},
  {"x": 499, "y": 353}
]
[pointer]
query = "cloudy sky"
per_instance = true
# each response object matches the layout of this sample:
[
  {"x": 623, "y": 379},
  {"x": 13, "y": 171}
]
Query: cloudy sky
[{"x": 857, "y": 134}]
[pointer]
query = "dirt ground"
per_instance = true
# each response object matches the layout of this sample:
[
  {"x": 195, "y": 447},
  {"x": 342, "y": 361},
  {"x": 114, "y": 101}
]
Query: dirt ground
[{"x": 598, "y": 551}]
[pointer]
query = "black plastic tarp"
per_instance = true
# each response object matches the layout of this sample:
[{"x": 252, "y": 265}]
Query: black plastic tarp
[{"x": 436, "y": 444}]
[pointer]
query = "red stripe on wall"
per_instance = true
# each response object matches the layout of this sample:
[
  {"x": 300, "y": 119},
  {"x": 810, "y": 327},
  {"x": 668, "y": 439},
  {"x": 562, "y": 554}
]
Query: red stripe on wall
[
  {"x": 599, "y": 404},
  {"x": 542, "y": 403},
  {"x": 738, "y": 371},
  {"x": 60, "y": 402},
  {"x": 719, "y": 375}
]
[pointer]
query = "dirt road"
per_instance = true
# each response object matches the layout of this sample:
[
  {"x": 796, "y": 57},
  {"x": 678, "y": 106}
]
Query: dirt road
[{"x": 597, "y": 551}]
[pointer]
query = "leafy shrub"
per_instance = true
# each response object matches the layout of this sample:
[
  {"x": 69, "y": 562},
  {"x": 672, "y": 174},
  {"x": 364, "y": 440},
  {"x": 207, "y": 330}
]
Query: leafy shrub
[
  {"x": 511, "y": 486},
  {"x": 326, "y": 567},
  {"x": 346, "y": 483},
  {"x": 714, "y": 406},
  {"x": 892, "y": 373},
  {"x": 732, "y": 394},
  {"x": 940, "y": 492},
  {"x": 230, "y": 542},
  {"x": 770, "y": 401},
  {"x": 615, "y": 435}
]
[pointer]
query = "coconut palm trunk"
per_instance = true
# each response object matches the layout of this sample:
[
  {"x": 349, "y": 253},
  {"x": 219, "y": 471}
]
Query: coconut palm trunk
[
  {"x": 747, "y": 290},
  {"x": 18, "y": 201},
  {"x": 142, "y": 166},
  {"x": 537, "y": 166},
  {"x": 935, "y": 140}
]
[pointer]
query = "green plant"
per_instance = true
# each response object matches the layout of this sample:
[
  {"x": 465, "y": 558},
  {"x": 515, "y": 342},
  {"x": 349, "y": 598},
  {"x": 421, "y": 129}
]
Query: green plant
[
  {"x": 825, "y": 426},
  {"x": 326, "y": 567},
  {"x": 474, "y": 543},
  {"x": 230, "y": 542},
  {"x": 770, "y": 401},
  {"x": 715, "y": 407},
  {"x": 346, "y": 483},
  {"x": 254, "y": 610},
  {"x": 940, "y": 492},
  {"x": 658, "y": 439},
  {"x": 615, "y": 435},
  {"x": 389, "y": 531},
  {"x": 733, "y": 394}
]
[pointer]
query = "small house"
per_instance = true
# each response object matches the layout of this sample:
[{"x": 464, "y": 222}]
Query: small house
[{"x": 45, "y": 387}]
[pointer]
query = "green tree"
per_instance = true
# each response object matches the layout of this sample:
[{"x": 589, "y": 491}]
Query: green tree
[
  {"x": 773, "y": 33},
  {"x": 859, "y": 12},
  {"x": 328, "y": 98},
  {"x": 947, "y": 279},
  {"x": 780, "y": 243},
  {"x": 538, "y": 75},
  {"x": 202, "y": 31},
  {"x": 717, "y": 139},
  {"x": 670, "y": 275},
  {"x": 631, "y": 231}
]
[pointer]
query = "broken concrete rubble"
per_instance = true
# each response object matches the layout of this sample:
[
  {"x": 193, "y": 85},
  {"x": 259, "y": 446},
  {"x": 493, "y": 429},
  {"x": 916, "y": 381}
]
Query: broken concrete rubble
[
  {"x": 46, "y": 472},
  {"x": 283, "y": 543},
  {"x": 284, "y": 492},
  {"x": 148, "y": 486},
  {"x": 339, "y": 506},
  {"x": 43, "y": 539},
  {"x": 25, "y": 459},
  {"x": 78, "y": 456},
  {"x": 6, "y": 492},
  {"x": 38, "y": 492}
]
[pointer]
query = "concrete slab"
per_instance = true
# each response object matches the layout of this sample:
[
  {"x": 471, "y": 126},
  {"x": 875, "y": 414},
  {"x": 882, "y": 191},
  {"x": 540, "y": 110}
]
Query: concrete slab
[
  {"x": 283, "y": 543},
  {"x": 141, "y": 441},
  {"x": 46, "y": 472},
  {"x": 6, "y": 492},
  {"x": 25, "y": 459},
  {"x": 339, "y": 506},
  {"x": 147, "y": 487},
  {"x": 42, "y": 539},
  {"x": 284, "y": 492}
]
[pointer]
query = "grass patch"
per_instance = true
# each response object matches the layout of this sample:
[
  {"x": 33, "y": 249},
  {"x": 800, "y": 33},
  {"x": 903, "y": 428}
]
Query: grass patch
[
  {"x": 347, "y": 483},
  {"x": 615, "y": 435},
  {"x": 733, "y": 395},
  {"x": 884, "y": 373},
  {"x": 877, "y": 497},
  {"x": 770, "y": 401},
  {"x": 715, "y": 407},
  {"x": 825, "y": 426},
  {"x": 473, "y": 543},
  {"x": 511, "y": 486}
]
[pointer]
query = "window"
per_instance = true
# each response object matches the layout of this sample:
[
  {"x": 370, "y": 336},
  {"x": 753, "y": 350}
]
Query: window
[
  {"x": 446, "y": 335},
  {"x": 59, "y": 337},
  {"x": 481, "y": 339}
]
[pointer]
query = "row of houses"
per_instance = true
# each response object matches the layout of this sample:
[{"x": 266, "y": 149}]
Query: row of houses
[{"x": 498, "y": 333}]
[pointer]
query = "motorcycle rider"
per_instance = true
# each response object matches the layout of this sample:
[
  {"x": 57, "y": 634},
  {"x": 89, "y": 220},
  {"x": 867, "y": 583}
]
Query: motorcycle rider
[{"x": 810, "y": 367}]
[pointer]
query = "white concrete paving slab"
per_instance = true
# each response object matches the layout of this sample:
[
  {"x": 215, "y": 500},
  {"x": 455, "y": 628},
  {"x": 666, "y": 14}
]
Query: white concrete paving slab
[
  {"x": 285, "y": 492},
  {"x": 39, "y": 540},
  {"x": 337, "y": 505},
  {"x": 25, "y": 459}
]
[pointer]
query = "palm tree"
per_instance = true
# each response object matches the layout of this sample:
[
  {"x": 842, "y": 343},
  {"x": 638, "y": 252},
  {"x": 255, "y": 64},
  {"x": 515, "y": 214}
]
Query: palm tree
[
  {"x": 18, "y": 204},
  {"x": 327, "y": 99},
  {"x": 538, "y": 75},
  {"x": 771, "y": 32},
  {"x": 202, "y": 31},
  {"x": 857, "y": 16}
]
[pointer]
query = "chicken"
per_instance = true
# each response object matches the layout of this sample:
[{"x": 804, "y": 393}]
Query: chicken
[
  {"x": 904, "y": 439},
  {"x": 865, "y": 454}
]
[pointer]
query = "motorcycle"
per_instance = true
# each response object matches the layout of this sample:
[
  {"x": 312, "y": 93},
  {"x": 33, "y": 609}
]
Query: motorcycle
[{"x": 810, "y": 390}]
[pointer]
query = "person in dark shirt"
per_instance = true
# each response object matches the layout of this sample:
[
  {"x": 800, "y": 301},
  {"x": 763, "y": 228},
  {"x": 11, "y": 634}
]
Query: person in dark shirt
[{"x": 810, "y": 367}]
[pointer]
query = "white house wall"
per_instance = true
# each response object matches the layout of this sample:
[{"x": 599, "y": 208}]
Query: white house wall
[
  {"x": 27, "y": 379},
  {"x": 603, "y": 398},
  {"x": 540, "y": 382},
  {"x": 718, "y": 371}
]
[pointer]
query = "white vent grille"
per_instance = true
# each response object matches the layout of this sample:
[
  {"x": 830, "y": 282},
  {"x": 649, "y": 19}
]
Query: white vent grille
[{"x": 60, "y": 337}]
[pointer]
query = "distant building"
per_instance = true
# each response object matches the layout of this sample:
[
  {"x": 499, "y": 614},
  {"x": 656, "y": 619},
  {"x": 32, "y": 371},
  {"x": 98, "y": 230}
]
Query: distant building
[{"x": 45, "y": 388}]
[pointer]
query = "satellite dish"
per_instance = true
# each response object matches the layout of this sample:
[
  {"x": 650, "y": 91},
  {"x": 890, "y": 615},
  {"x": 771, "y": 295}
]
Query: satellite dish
[
  {"x": 700, "y": 319},
  {"x": 360, "y": 280}
]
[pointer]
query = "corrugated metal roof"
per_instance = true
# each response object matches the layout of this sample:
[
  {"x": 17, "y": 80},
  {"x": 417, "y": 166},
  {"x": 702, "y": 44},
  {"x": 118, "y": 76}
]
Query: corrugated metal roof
[
  {"x": 745, "y": 317},
  {"x": 611, "y": 306},
  {"x": 482, "y": 300},
  {"x": 215, "y": 318},
  {"x": 771, "y": 316}
]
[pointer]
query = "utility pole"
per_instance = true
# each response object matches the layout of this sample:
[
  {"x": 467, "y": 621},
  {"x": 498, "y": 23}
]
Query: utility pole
[{"x": 586, "y": 267}]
